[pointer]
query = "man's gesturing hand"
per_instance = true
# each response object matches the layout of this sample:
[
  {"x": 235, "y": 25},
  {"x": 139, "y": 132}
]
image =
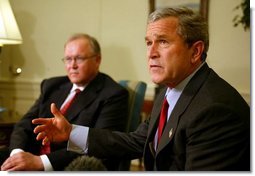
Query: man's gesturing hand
[{"x": 56, "y": 129}]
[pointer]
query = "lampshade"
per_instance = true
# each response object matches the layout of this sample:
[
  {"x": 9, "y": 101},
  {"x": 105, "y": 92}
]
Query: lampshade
[{"x": 9, "y": 30}]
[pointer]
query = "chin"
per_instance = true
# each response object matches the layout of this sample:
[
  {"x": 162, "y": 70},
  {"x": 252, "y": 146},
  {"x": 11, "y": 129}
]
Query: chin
[
  {"x": 75, "y": 81},
  {"x": 156, "y": 81}
]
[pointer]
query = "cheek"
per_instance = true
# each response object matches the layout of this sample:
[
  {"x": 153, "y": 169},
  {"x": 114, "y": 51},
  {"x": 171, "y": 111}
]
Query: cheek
[
  {"x": 67, "y": 68},
  {"x": 85, "y": 70}
]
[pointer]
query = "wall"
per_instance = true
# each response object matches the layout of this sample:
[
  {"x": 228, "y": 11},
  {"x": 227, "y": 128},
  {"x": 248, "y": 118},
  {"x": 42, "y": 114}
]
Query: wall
[
  {"x": 120, "y": 26},
  {"x": 46, "y": 24},
  {"x": 229, "y": 52}
]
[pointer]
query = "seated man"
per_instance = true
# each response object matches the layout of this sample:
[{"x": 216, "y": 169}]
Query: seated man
[{"x": 101, "y": 103}]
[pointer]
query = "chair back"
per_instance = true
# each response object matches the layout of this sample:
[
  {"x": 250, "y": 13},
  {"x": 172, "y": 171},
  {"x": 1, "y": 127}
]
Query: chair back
[{"x": 136, "y": 91}]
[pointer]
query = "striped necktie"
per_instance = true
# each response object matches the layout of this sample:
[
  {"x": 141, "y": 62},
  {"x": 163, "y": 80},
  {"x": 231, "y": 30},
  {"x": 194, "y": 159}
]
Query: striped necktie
[{"x": 64, "y": 109}]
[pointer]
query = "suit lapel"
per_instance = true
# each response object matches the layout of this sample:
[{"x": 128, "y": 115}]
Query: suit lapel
[
  {"x": 185, "y": 99},
  {"x": 85, "y": 98},
  {"x": 80, "y": 103},
  {"x": 172, "y": 123},
  {"x": 60, "y": 95},
  {"x": 149, "y": 153},
  {"x": 155, "y": 115}
]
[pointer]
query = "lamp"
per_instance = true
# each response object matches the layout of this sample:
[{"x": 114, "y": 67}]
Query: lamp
[{"x": 9, "y": 30}]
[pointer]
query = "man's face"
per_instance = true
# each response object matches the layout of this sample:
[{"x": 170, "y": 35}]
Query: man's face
[
  {"x": 81, "y": 73},
  {"x": 169, "y": 57}
]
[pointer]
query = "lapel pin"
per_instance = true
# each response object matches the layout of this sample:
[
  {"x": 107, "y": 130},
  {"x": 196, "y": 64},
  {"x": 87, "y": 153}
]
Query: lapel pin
[{"x": 170, "y": 133}]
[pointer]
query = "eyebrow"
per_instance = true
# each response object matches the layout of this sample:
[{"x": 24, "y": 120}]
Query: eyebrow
[
  {"x": 157, "y": 36},
  {"x": 146, "y": 38}
]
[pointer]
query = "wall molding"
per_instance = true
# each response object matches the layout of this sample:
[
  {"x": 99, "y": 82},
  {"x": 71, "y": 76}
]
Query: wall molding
[{"x": 19, "y": 96}]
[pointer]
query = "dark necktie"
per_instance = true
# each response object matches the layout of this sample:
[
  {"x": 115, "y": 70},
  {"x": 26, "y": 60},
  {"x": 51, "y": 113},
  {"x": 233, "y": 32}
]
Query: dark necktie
[
  {"x": 162, "y": 119},
  {"x": 45, "y": 149}
]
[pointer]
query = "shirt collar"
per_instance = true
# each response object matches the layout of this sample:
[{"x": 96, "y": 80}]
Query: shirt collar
[
  {"x": 75, "y": 86},
  {"x": 173, "y": 94},
  {"x": 182, "y": 85}
]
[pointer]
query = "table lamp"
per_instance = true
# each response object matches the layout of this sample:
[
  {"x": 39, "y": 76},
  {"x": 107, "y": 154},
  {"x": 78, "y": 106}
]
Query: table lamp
[{"x": 9, "y": 30}]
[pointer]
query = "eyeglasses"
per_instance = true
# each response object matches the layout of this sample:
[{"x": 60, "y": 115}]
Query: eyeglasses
[{"x": 77, "y": 59}]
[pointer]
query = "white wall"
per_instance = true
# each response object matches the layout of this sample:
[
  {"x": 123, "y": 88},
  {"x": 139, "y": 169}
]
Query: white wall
[
  {"x": 120, "y": 26},
  {"x": 229, "y": 52}
]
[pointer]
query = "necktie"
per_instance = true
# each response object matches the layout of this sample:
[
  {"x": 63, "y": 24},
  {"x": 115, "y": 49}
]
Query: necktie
[
  {"x": 45, "y": 149},
  {"x": 68, "y": 104},
  {"x": 162, "y": 119}
]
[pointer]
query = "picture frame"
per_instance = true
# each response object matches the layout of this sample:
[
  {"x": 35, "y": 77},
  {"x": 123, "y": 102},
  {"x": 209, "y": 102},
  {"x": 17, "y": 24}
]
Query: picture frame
[{"x": 198, "y": 5}]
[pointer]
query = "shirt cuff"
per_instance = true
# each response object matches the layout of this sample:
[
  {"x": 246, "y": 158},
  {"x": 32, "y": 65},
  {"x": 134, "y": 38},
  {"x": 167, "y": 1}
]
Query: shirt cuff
[
  {"x": 78, "y": 139},
  {"x": 14, "y": 151},
  {"x": 46, "y": 163},
  {"x": 45, "y": 160}
]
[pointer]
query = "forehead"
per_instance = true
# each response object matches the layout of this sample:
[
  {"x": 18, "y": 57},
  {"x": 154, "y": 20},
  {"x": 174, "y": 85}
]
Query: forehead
[
  {"x": 78, "y": 41},
  {"x": 78, "y": 44},
  {"x": 164, "y": 26}
]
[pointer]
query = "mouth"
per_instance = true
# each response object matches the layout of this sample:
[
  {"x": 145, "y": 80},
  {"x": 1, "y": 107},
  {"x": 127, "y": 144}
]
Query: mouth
[
  {"x": 155, "y": 67},
  {"x": 74, "y": 73}
]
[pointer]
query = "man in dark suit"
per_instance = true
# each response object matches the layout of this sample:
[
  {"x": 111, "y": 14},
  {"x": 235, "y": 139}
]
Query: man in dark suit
[
  {"x": 207, "y": 124},
  {"x": 102, "y": 103}
]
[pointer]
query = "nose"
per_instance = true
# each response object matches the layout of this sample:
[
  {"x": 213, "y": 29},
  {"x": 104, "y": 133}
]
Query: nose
[
  {"x": 73, "y": 63},
  {"x": 152, "y": 51}
]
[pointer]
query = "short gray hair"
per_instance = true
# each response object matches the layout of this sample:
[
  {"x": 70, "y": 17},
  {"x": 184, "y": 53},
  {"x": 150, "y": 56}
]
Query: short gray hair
[
  {"x": 192, "y": 26},
  {"x": 92, "y": 41}
]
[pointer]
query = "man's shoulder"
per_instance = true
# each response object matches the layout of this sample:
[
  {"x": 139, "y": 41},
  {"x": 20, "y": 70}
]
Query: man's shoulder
[
  {"x": 109, "y": 84},
  {"x": 57, "y": 79},
  {"x": 54, "y": 81},
  {"x": 102, "y": 78}
]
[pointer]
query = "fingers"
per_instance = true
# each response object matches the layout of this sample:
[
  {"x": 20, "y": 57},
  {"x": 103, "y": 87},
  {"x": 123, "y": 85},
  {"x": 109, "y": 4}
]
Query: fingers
[
  {"x": 43, "y": 136},
  {"x": 40, "y": 128},
  {"x": 8, "y": 165},
  {"x": 55, "y": 111},
  {"x": 12, "y": 163},
  {"x": 40, "y": 136},
  {"x": 45, "y": 125},
  {"x": 39, "y": 121},
  {"x": 45, "y": 141}
]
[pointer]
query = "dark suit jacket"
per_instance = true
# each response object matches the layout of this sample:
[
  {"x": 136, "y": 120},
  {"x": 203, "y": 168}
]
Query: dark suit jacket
[
  {"x": 103, "y": 104},
  {"x": 209, "y": 129}
]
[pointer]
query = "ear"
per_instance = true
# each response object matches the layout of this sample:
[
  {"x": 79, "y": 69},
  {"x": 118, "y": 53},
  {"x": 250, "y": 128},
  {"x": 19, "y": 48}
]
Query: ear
[
  {"x": 98, "y": 59},
  {"x": 197, "y": 48}
]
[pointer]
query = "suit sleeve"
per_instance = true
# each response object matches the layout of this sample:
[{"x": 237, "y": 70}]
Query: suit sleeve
[
  {"x": 23, "y": 136},
  {"x": 112, "y": 144}
]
